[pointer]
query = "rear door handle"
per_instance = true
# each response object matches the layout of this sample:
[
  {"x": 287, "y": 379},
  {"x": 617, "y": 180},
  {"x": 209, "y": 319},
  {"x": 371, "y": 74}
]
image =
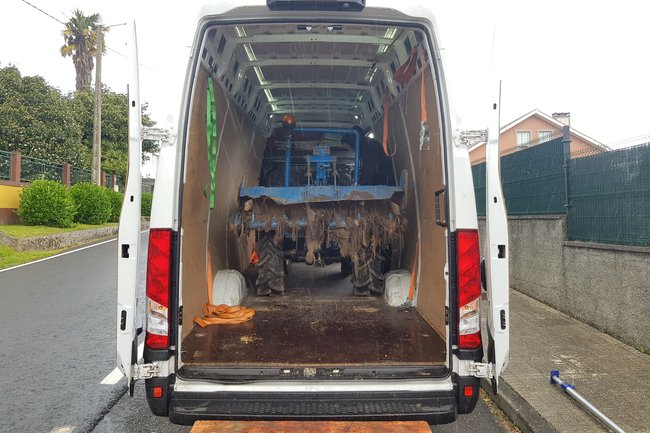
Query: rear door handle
[{"x": 439, "y": 220}]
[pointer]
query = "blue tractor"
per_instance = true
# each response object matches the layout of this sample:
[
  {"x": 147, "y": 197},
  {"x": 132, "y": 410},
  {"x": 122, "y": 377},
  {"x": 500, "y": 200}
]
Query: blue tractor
[{"x": 311, "y": 206}]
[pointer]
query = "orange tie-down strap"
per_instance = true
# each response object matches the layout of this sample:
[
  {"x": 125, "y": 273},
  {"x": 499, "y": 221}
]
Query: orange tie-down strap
[{"x": 224, "y": 315}]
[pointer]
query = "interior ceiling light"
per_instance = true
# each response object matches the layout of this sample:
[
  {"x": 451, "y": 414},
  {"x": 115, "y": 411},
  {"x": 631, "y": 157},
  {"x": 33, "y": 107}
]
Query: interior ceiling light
[
  {"x": 269, "y": 96},
  {"x": 260, "y": 76},
  {"x": 250, "y": 53},
  {"x": 274, "y": 107},
  {"x": 382, "y": 49},
  {"x": 356, "y": 117},
  {"x": 371, "y": 74},
  {"x": 241, "y": 33},
  {"x": 390, "y": 33}
]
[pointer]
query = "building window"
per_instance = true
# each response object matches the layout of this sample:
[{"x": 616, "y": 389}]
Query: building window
[
  {"x": 523, "y": 138},
  {"x": 544, "y": 135}
]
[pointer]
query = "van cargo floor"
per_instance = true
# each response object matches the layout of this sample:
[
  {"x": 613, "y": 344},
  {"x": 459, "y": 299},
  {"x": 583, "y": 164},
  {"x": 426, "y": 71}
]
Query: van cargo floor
[{"x": 317, "y": 322}]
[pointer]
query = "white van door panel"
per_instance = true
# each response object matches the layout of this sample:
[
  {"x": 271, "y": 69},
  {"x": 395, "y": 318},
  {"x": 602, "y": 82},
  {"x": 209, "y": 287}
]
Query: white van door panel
[
  {"x": 129, "y": 231},
  {"x": 496, "y": 251}
]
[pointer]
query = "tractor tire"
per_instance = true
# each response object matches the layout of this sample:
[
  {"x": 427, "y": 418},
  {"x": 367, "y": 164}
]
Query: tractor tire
[
  {"x": 346, "y": 266},
  {"x": 271, "y": 267},
  {"x": 366, "y": 276}
]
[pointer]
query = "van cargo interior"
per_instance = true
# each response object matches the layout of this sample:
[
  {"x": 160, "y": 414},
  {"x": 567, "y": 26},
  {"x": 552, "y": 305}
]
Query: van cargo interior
[{"x": 318, "y": 190}]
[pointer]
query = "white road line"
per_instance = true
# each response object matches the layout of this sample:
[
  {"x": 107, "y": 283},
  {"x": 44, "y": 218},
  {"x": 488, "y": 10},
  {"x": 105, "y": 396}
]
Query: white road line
[
  {"x": 114, "y": 376},
  {"x": 64, "y": 429},
  {"x": 63, "y": 254}
]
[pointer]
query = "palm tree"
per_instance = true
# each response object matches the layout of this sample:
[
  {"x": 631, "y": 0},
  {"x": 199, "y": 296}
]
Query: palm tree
[{"x": 80, "y": 35}]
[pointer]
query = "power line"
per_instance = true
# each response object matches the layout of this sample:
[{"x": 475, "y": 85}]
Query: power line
[
  {"x": 43, "y": 12},
  {"x": 61, "y": 22}
]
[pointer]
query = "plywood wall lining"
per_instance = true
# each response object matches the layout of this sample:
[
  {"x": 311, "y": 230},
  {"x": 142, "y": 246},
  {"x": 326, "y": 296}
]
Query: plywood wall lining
[
  {"x": 428, "y": 166},
  {"x": 240, "y": 147},
  {"x": 195, "y": 208}
]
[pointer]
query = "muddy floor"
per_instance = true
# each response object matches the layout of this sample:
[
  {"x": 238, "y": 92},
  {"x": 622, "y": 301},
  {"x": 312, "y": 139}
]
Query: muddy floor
[{"x": 318, "y": 322}]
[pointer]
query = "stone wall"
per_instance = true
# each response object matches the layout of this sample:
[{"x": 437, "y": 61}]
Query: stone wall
[
  {"x": 606, "y": 286},
  {"x": 59, "y": 240}
]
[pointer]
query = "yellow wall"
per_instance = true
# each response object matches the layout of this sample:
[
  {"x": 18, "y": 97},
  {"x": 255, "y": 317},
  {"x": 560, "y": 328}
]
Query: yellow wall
[{"x": 9, "y": 196}]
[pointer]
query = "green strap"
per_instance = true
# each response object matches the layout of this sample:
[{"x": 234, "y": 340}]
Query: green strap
[{"x": 211, "y": 131}]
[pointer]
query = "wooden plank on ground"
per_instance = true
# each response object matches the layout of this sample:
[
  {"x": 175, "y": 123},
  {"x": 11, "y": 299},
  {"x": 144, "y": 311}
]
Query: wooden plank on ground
[{"x": 310, "y": 427}]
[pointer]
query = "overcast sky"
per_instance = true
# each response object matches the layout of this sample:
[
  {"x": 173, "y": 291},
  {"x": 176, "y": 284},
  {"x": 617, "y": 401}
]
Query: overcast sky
[{"x": 588, "y": 58}]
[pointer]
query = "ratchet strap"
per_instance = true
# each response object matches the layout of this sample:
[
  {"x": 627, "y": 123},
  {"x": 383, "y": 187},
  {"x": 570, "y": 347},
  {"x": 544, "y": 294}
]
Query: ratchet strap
[
  {"x": 415, "y": 267},
  {"x": 224, "y": 315},
  {"x": 384, "y": 136},
  {"x": 423, "y": 95},
  {"x": 221, "y": 314},
  {"x": 211, "y": 136}
]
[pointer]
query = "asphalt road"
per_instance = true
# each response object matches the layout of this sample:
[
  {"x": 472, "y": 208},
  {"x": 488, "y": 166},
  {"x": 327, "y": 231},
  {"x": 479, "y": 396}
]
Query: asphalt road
[{"x": 58, "y": 343}]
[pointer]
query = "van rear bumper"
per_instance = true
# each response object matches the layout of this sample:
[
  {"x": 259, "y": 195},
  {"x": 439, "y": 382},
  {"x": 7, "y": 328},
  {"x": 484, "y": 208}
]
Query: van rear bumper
[{"x": 437, "y": 407}]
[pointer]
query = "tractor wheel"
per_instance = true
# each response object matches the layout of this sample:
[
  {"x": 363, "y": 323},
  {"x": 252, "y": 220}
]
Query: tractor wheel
[{"x": 270, "y": 277}]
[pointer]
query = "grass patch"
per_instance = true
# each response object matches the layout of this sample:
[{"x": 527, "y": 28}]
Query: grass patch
[
  {"x": 9, "y": 257},
  {"x": 22, "y": 231}
]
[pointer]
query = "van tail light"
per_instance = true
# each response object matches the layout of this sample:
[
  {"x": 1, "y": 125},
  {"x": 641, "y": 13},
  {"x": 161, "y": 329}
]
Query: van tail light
[
  {"x": 469, "y": 289},
  {"x": 158, "y": 280}
]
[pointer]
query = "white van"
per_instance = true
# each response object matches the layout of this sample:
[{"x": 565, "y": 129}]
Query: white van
[{"x": 314, "y": 178}]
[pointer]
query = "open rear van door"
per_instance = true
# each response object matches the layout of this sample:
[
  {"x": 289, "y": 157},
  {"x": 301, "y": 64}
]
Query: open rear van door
[
  {"x": 496, "y": 251},
  {"x": 129, "y": 231}
]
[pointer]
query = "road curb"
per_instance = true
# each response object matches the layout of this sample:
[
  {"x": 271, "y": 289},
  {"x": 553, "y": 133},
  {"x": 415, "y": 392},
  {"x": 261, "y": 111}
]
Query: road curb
[
  {"x": 58, "y": 241},
  {"x": 520, "y": 412}
]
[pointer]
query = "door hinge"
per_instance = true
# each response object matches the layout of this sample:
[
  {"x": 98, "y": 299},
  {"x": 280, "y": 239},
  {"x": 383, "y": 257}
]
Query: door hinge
[
  {"x": 180, "y": 315},
  {"x": 446, "y": 315},
  {"x": 480, "y": 369},
  {"x": 145, "y": 371},
  {"x": 156, "y": 134}
]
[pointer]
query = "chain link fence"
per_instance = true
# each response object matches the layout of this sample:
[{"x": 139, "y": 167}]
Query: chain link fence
[
  {"x": 5, "y": 165},
  {"x": 35, "y": 168},
  {"x": 608, "y": 193},
  {"x": 31, "y": 169},
  {"x": 79, "y": 175}
]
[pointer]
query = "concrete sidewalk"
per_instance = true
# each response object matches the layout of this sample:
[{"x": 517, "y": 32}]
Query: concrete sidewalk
[{"x": 611, "y": 375}]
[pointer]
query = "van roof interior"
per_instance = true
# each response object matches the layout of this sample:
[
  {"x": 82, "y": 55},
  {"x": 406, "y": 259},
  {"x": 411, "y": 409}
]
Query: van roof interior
[{"x": 324, "y": 74}]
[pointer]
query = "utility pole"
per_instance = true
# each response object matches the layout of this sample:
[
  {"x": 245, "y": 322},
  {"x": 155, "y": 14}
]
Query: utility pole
[{"x": 97, "y": 121}]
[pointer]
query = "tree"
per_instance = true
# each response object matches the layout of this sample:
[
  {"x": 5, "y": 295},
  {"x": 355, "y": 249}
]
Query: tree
[
  {"x": 80, "y": 35},
  {"x": 115, "y": 118},
  {"x": 38, "y": 121}
]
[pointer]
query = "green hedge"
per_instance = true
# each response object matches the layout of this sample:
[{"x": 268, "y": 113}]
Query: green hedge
[
  {"x": 116, "y": 199},
  {"x": 47, "y": 203},
  {"x": 146, "y": 203},
  {"x": 92, "y": 202}
]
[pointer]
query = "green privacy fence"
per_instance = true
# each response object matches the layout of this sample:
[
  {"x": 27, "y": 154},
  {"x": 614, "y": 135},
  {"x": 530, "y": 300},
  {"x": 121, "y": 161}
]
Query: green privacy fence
[
  {"x": 608, "y": 193},
  {"x": 609, "y": 197},
  {"x": 533, "y": 180}
]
